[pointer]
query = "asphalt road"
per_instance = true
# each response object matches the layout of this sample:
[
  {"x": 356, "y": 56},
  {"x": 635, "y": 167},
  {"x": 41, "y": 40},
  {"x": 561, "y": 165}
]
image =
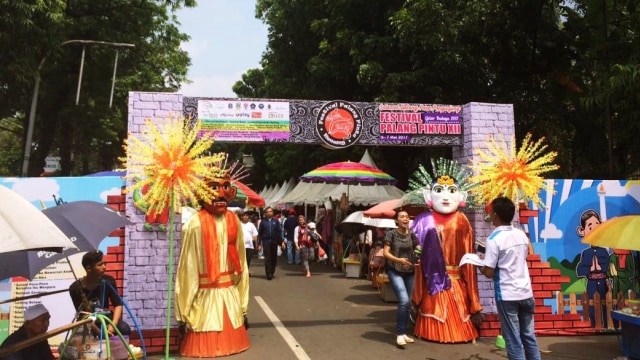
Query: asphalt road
[{"x": 328, "y": 316}]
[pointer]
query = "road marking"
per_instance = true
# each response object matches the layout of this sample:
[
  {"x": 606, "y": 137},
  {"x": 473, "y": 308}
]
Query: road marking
[{"x": 286, "y": 335}]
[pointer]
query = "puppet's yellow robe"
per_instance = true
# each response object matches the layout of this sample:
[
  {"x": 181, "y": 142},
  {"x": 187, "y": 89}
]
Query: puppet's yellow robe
[{"x": 213, "y": 312}]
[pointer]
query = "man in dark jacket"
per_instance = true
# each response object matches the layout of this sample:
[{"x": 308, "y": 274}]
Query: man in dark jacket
[{"x": 269, "y": 238}]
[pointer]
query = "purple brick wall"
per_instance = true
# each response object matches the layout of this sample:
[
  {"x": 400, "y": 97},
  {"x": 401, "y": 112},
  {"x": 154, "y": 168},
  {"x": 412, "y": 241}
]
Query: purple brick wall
[
  {"x": 479, "y": 121},
  {"x": 147, "y": 252}
]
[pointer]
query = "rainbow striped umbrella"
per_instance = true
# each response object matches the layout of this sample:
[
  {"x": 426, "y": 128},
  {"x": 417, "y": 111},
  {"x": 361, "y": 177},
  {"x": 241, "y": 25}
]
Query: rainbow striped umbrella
[{"x": 347, "y": 172}]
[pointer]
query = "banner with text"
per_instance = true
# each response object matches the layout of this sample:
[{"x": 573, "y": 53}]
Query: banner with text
[{"x": 333, "y": 124}]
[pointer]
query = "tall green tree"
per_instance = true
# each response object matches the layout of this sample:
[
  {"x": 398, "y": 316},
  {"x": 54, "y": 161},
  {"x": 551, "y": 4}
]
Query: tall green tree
[
  {"x": 569, "y": 67},
  {"x": 607, "y": 68},
  {"x": 87, "y": 135}
]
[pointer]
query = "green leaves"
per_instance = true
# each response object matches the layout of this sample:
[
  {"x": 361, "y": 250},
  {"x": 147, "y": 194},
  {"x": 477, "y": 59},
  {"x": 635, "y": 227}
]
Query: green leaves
[{"x": 89, "y": 133}]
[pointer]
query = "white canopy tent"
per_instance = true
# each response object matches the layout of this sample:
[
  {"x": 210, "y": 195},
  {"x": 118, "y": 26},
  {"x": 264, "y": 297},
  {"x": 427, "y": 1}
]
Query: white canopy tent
[
  {"x": 271, "y": 193},
  {"x": 364, "y": 195},
  {"x": 366, "y": 159},
  {"x": 308, "y": 193},
  {"x": 274, "y": 199},
  {"x": 266, "y": 193}
]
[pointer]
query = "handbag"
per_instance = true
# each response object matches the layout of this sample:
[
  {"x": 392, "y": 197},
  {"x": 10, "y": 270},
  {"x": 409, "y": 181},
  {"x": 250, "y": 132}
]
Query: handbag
[{"x": 322, "y": 255}]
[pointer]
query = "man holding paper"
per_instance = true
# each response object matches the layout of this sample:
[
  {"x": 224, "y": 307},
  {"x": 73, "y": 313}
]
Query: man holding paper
[{"x": 505, "y": 261}]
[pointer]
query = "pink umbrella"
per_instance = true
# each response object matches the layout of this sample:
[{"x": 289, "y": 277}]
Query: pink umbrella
[{"x": 387, "y": 209}]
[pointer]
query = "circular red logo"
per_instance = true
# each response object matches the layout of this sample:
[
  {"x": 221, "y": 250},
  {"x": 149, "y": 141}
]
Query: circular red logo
[{"x": 339, "y": 124}]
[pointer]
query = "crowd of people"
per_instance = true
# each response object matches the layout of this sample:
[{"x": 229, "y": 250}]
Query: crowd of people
[
  {"x": 422, "y": 262},
  {"x": 421, "y": 259}
]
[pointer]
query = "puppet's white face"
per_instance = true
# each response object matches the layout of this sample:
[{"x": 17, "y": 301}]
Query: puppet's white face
[{"x": 445, "y": 199}]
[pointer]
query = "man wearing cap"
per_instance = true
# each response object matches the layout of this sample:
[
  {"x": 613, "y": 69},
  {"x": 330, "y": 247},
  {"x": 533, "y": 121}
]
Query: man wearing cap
[
  {"x": 97, "y": 292},
  {"x": 36, "y": 322}
]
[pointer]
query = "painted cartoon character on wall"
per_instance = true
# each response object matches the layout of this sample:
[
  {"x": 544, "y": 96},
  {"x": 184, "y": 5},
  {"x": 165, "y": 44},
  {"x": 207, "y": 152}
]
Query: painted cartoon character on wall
[{"x": 593, "y": 264}]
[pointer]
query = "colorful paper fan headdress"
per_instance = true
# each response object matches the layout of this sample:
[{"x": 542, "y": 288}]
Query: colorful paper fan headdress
[
  {"x": 172, "y": 159},
  {"x": 445, "y": 171},
  {"x": 503, "y": 171},
  {"x": 220, "y": 170}
]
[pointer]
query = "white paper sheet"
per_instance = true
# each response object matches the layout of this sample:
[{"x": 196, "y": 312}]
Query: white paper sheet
[{"x": 472, "y": 259}]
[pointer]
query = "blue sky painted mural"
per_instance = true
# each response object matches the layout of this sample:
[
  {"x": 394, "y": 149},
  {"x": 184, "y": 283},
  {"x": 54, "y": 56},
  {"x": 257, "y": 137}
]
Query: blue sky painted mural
[
  {"x": 554, "y": 232},
  {"x": 44, "y": 191}
]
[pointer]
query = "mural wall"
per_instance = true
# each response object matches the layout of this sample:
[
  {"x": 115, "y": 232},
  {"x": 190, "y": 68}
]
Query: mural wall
[
  {"x": 46, "y": 193},
  {"x": 576, "y": 208}
]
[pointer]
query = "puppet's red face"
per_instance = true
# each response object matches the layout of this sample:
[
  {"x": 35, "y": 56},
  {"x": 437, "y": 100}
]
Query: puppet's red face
[{"x": 224, "y": 193}]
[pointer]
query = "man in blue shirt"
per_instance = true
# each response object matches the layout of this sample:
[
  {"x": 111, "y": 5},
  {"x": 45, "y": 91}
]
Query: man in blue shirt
[{"x": 269, "y": 238}]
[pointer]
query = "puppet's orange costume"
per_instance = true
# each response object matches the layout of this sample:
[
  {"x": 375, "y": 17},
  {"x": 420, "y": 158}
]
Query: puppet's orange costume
[
  {"x": 212, "y": 281},
  {"x": 445, "y": 313},
  {"x": 446, "y": 294}
]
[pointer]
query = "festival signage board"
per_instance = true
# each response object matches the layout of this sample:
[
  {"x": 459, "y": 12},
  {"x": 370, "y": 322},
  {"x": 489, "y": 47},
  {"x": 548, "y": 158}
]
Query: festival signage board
[
  {"x": 402, "y": 123},
  {"x": 334, "y": 124},
  {"x": 245, "y": 121}
]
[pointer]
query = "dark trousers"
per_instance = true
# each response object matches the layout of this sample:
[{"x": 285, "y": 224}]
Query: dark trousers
[
  {"x": 249, "y": 255},
  {"x": 270, "y": 253}
]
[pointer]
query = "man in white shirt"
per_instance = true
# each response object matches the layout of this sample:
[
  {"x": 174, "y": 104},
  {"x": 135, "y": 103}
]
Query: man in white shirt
[
  {"x": 505, "y": 261},
  {"x": 250, "y": 236}
]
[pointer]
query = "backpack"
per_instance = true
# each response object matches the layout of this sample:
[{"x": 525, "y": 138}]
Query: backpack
[
  {"x": 304, "y": 239},
  {"x": 314, "y": 236}
]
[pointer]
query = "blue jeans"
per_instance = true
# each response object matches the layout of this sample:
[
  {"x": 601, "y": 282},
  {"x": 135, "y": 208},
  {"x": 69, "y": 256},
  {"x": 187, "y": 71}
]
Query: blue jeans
[
  {"x": 291, "y": 249},
  {"x": 516, "y": 320},
  {"x": 402, "y": 284}
]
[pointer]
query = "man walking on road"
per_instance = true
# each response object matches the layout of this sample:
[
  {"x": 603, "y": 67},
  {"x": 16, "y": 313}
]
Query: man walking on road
[{"x": 269, "y": 238}]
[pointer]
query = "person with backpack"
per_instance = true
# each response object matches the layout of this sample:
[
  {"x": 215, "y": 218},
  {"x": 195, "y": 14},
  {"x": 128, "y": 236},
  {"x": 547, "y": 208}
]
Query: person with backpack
[
  {"x": 317, "y": 240},
  {"x": 304, "y": 243}
]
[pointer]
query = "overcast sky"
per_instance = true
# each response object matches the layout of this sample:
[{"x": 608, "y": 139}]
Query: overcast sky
[{"x": 226, "y": 41}]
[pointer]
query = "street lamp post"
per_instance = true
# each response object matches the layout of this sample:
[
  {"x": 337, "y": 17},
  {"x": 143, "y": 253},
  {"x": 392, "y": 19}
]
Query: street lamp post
[{"x": 36, "y": 89}]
